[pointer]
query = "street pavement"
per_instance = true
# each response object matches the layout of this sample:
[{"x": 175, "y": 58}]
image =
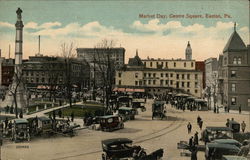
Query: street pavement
[{"x": 149, "y": 134}]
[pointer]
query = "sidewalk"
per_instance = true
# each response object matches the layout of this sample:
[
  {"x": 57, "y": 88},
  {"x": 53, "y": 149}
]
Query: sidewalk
[{"x": 221, "y": 110}]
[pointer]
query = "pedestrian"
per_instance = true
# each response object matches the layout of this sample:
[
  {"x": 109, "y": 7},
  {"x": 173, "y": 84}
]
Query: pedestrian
[
  {"x": 196, "y": 139},
  {"x": 54, "y": 114},
  {"x": 72, "y": 116},
  {"x": 228, "y": 109},
  {"x": 190, "y": 141},
  {"x": 240, "y": 109},
  {"x": 217, "y": 108},
  {"x": 194, "y": 151},
  {"x": 200, "y": 124},
  {"x": 189, "y": 127},
  {"x": 243, "y": 126},
  {"x": 198, "y": 119},
  {"x": 214, "y": 109},
  {"x": 21, "y": 114},
  {"x": 60, "y": 113},
  {"x": 227, "y": 124},
  {"x": 6, "y": 123}
]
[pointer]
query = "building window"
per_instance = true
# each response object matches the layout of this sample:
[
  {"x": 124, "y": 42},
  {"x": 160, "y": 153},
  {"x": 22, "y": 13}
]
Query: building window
[
  {"x": 177, "y": 84},
  {"x": 196, "y": 91},
  {"x": 153, "y": 74},
  {"x": 151, "y": 64},
  {"x": 196, "y": 76},
  {"x": 144, "y": 82},
  {"x": 136, "y": 83},
  {"x": 166, "y": 75},
  {"x": 161, "y": 82},
  {"x": 119, "y": 74},
  {"x": 183, "y": 76},
  {"x": 136, "y": 75},
  {"x": 177, "y": 76},
  {"x": 161, "y": 74},
  {"x": 174, "y": 64},
  {"x": 188, "y": 84},
  {"x": 42, "y": 79},
  {"x": 196, "y": 84},
  {"x": 120, "y": 82},
  {"x": 166, "y": 82},
  {"x": 171, "y": 75},
  {"x": 31, "y": 73},
  {"x": 233, "y": 101},
  {"x": 149, "y": 82},
  {"x": 239, "y": 60},
  {"x": 171, "y": 82},
  {"x": 188, "y": 90},
  {"x": 235, "y": 60},
  {"x": 182, "y": 84},
  {"x": 233, "y": 73},
  {"x": 37, "y": 80},
  {"x": 185, "y": 64},
  {"x": 233, "y": 87},
  {"x": 149, "y": 75},
  {"x": 188, "y": 76},
  {"x": 166, "y": 64},
  {"x": 192, "y": 64},
  {"x": 140, "y": 83},
  {"x": 154, "y": 82},
  {"x": 145, "y": 74}
]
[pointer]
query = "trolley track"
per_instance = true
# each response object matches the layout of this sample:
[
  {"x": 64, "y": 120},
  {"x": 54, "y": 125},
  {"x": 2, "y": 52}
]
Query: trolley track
[{"x": 144, "y": 138}]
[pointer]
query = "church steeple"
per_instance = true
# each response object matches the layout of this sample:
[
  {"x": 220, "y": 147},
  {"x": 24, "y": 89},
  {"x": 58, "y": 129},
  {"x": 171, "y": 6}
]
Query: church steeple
[{"x": 188, "y": 52}]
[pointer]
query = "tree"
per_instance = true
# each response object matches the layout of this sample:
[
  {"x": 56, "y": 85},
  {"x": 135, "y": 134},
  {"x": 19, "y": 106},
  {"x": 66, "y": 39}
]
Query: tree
[
  {"x": 105, "y": 65},
  {"x": 211, "y": 89},
  {"x": 15, "y": 87},
  {"x": 68, "y": 53}
]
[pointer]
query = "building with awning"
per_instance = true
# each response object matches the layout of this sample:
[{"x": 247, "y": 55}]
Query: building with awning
[{"x": 160, "y": 76}]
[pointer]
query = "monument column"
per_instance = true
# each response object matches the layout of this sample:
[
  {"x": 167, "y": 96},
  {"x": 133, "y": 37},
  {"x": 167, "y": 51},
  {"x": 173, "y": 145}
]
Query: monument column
[{"x": 19, "y": 40}]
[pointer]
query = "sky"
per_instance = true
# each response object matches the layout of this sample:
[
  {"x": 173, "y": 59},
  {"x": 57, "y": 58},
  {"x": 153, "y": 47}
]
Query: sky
[{"x": 86, "y": 23}]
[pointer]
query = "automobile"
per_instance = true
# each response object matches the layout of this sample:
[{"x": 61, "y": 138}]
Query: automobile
[
  {"x": 110, "y": 122},
  {"x": 44, "y": 125},
  {"x": 215, "y": 151},
  {"x": 127, "y": 113},
  {"x": 117, "y": 148},
  {"x": 158, "y": 109},
  {"x": 123, "y": 148},
  {"x": 211, "y": 133},
  {"x": 20, "y": 130},
  {"x": 235, "y": 126},
  {"x": 124, "y": 101},
  {"x": 233, "y": 158},
  {"x": 139, "y": 103},
  {"x": 201, "y": 104},
  {"x": 228, "y": 141}
]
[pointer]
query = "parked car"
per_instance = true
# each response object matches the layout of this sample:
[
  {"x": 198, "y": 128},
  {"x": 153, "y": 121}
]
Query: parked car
[
  {"x": 158, "y": 109},
  {"x": 228, "y": 141},
  {"x": 20, "y": 130},
  {"x": 127, "y": 113},
  {"x": 110, "y": 122},
  {"x": 215, "y": 151},
  {"x": 212, "y": 133}
]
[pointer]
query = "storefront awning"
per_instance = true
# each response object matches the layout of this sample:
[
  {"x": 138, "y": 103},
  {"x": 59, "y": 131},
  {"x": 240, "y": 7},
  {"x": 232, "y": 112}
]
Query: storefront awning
[{"x": 128, "y": 90}]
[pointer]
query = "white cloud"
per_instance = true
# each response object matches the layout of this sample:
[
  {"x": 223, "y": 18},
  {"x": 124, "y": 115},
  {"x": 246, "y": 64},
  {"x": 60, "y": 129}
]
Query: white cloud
[
  {"x": 6, "y": 24},
  {"x": 205, "y": 41},
  {"x": 34, "y": 25}
]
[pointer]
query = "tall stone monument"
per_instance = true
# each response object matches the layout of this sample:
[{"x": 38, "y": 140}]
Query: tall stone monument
[{"x": 16, "y": 96}]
